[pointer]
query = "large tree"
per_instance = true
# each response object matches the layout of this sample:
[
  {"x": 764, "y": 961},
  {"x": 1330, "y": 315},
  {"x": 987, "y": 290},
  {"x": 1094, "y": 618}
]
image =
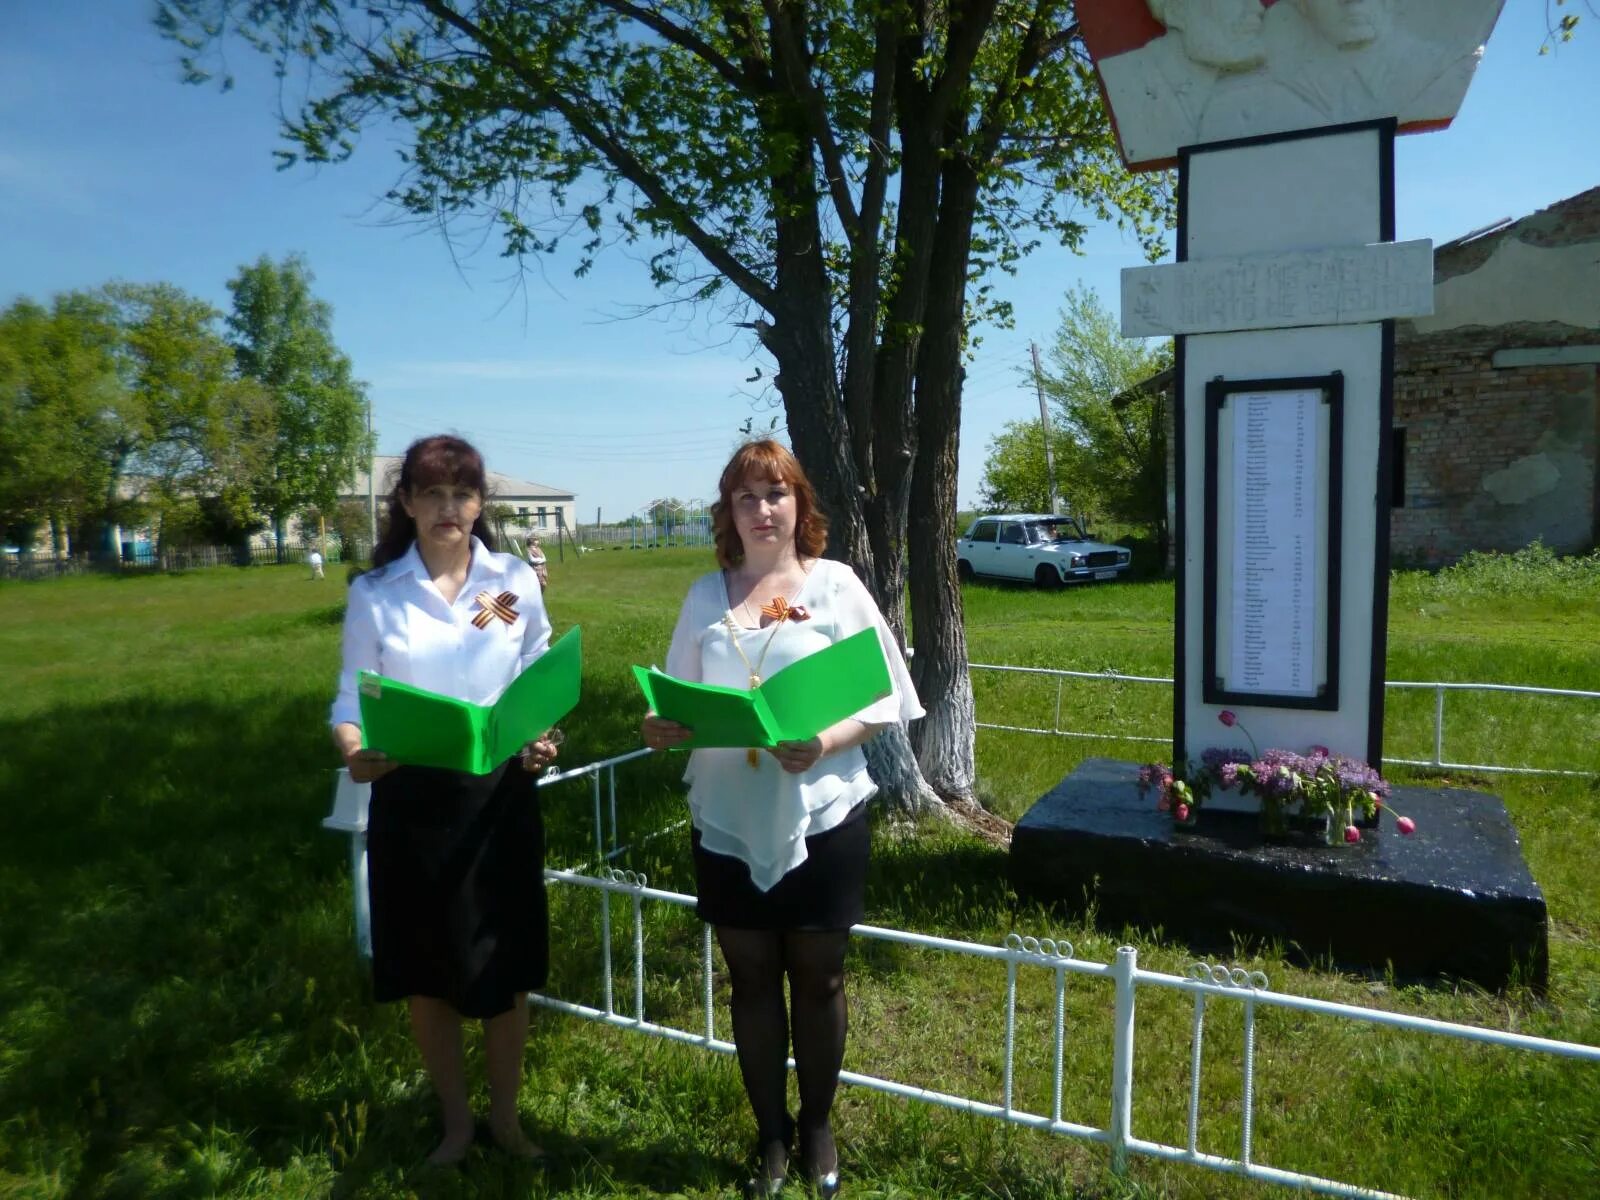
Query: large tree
[
  {"x": 66, "y": 422},
  {"x": 838, "y": 173},
  {"x": 283, "y": 340},
  {"x": 1116, "y": 426}
]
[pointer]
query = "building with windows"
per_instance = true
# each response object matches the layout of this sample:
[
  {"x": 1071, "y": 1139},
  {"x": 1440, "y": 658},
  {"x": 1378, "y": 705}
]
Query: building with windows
[{"x": 536, "y": 507}]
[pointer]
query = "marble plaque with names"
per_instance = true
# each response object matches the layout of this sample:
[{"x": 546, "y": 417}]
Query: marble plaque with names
[
  {"x": 1275, "y": 572},
  {"x": 1349, "y": 286}
]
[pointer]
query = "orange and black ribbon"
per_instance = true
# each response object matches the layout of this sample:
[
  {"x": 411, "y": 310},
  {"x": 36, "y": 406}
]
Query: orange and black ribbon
[
  {"x": 780, "y": 609},
  {"x": 495, "y": 606}
]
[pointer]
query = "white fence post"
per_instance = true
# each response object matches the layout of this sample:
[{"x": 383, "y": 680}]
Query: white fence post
[
  {"x": 1122, "y": 972},
  {"x": 1438, "y": 726}
]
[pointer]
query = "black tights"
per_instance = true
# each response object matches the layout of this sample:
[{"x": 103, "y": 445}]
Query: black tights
[{"x": 758, "y": 959}]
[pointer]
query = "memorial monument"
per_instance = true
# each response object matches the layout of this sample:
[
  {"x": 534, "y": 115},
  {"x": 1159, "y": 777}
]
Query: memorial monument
[{"x": 1281, "y": 119}]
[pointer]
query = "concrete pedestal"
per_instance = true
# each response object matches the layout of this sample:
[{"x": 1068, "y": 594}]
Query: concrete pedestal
[{"x": 1453, "y": 899}]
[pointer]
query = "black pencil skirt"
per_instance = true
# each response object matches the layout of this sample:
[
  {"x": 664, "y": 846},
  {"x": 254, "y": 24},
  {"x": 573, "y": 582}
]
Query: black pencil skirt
[
  {"x": 456, "y": 872},
  {"x": 828, "y": 891}
]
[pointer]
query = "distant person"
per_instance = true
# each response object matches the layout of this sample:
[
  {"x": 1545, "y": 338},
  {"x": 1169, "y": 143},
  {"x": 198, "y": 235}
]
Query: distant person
[
  {"x": 315, "y": 559},
  {"x": 780, "y": 840},
  {"x": 460, "y": 926},
  {"x": 537, "y": 560}
]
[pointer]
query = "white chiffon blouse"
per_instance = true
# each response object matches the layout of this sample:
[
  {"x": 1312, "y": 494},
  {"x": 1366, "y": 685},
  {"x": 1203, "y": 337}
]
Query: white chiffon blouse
[{"x": 763, "y": 814}]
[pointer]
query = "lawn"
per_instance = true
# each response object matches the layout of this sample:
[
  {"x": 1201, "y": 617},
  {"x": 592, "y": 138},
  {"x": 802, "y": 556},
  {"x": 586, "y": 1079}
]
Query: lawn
[{"x": 182, "y": 1013}]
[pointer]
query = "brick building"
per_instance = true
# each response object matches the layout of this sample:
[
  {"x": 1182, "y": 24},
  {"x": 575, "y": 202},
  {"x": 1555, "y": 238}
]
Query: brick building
[{"x": 1497, "y": 394}]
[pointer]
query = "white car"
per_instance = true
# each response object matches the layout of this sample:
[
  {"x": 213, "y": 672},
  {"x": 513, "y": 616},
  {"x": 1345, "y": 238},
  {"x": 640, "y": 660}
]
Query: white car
[{"x": 1050, "y": 550}]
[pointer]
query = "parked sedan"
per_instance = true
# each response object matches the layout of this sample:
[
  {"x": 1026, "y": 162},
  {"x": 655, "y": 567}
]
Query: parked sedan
[{"x": 1050, "y": 550}]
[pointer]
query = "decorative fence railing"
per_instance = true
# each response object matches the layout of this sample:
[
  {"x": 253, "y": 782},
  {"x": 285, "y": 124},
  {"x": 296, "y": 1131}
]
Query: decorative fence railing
[
  {"x": 144, "y": 557},
  {"x": 691, "y": 531},
  {"x": 1206, "y": 983},
  {"x": 1439, "y": 689}
]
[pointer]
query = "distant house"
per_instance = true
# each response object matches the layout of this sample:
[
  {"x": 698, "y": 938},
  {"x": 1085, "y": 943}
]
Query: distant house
[
  {"x": 537, "y": 506},
  {"x": 1497, "y": 394}
]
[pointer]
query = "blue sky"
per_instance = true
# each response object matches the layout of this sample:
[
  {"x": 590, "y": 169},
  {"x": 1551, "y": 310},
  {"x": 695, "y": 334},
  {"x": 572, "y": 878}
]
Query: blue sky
[{"x": 112, "y": 169}]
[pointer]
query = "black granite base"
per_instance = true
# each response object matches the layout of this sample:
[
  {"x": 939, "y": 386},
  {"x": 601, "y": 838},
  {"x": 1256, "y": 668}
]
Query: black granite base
[{"x": 1452, "y": 899}]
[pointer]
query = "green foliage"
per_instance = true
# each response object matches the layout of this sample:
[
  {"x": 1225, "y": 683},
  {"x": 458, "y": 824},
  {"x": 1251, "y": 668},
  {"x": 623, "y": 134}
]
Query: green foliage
[
  {"x": 1108, "y": 435},
  {"x": 66, "y": 423},
  {"x": 282, "y": 339},
  {"x": 1117, "y": 426},
  {"x": 132, "y": 380},
  {"x": 1015, "y": 475},
  {"x": 1536, "y": 572}
]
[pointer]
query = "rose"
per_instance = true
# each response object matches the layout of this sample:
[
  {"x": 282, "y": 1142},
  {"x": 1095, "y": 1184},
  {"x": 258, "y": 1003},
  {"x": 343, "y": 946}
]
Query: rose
[{"x": 1230, "y": 718}]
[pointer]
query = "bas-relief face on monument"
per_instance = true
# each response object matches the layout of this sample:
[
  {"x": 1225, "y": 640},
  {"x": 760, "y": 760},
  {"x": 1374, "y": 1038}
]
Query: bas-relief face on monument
[
  {"x": 1347, "y": 23},
  {"x": 1225, "y": 34},
  {"x": 1213, "y": 70}
]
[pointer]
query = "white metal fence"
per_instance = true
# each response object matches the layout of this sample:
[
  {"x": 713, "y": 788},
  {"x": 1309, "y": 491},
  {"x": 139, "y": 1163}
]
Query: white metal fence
[
  {"x": 1439, "y": 690},
  {"x": 1206, "y": 983}
]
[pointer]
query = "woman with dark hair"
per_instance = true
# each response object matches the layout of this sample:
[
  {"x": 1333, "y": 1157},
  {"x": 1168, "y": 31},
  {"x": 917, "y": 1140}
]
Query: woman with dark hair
[
  {"x": 456, "y": 861},
  {"x": 780, "y": 838}
]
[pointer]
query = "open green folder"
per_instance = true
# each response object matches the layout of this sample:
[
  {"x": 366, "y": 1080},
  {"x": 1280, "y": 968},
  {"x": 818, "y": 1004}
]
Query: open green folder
[
  {"x": 797, "y": 703},
  {"x": 425, "y": 729}
]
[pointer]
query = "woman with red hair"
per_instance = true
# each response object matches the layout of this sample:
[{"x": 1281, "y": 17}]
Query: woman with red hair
[{"x": 780, "y": 837}]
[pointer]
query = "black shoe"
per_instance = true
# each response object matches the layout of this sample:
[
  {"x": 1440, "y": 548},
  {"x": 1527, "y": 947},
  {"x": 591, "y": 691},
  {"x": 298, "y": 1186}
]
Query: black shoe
[
  {"x": 823, "y": 1183},
  {"x": 767, "y": 1182}
]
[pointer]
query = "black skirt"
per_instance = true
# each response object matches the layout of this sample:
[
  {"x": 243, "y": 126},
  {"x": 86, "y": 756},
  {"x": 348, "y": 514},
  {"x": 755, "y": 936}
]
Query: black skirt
[
  {"x": 828, "y": 891},
  {"x": 456, "y": 873}
]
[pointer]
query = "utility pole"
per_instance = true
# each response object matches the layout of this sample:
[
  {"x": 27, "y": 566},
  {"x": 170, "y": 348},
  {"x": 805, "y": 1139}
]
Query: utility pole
[{"x": 1044, "y": 428}]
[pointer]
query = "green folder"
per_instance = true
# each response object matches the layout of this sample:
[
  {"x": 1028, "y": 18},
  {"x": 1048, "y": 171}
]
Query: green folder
[
  {"x": 797, "y": 703},
  {"x": 425, "y": 729}
]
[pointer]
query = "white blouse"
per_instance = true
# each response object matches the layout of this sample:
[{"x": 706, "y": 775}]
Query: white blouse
[
  {"x": 763, "y": 814},
  {"x": 397, "y": 624}
]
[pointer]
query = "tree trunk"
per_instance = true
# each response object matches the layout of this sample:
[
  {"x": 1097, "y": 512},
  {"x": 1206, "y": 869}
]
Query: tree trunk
[
  {"x": 800, "y": 338},
  {"x": 944, "y": 738}
]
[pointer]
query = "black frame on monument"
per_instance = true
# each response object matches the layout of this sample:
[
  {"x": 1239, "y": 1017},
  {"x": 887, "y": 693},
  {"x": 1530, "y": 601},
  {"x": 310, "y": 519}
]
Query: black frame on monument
[
  {"x": 1217, "y": 393},
  {"x": 1386, "y": 129}
]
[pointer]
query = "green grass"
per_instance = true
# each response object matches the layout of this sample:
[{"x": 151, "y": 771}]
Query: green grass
[{"x": 182, "y": 1014}]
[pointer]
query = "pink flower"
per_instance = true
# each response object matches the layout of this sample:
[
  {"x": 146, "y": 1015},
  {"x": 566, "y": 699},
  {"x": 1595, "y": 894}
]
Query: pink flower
[
  {"x": 1228, "y": 717},
  {"x": 1406, "y": 825},
  {"x": 1352, "y": 834},
  {"x": 1182, "y": 813},
  {"x": 1321, "y": 750}
]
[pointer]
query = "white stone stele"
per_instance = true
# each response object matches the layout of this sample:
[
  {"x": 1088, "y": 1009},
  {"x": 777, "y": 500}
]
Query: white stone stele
[
  {"x": 1231, "y": 69},
  {"x": 1346, "y": 286},
  {"x": 1285, "y": 198}
]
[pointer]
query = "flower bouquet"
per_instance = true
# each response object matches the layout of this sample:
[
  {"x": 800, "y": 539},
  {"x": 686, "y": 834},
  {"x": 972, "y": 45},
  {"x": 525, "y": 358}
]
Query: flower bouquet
[{"x": 1316, "y": 788}]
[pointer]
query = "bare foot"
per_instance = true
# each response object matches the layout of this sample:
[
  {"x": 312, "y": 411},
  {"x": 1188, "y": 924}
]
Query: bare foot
[
  {"x": 511, "y": 1140},
  {"x": 453, "y": 1149}
]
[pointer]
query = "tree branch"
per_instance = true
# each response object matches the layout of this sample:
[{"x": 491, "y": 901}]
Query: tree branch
[
  {"x": 627, "y": 164},
  {"x": 794, "y": 60},
  {"x": 687, "y": 40}
]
